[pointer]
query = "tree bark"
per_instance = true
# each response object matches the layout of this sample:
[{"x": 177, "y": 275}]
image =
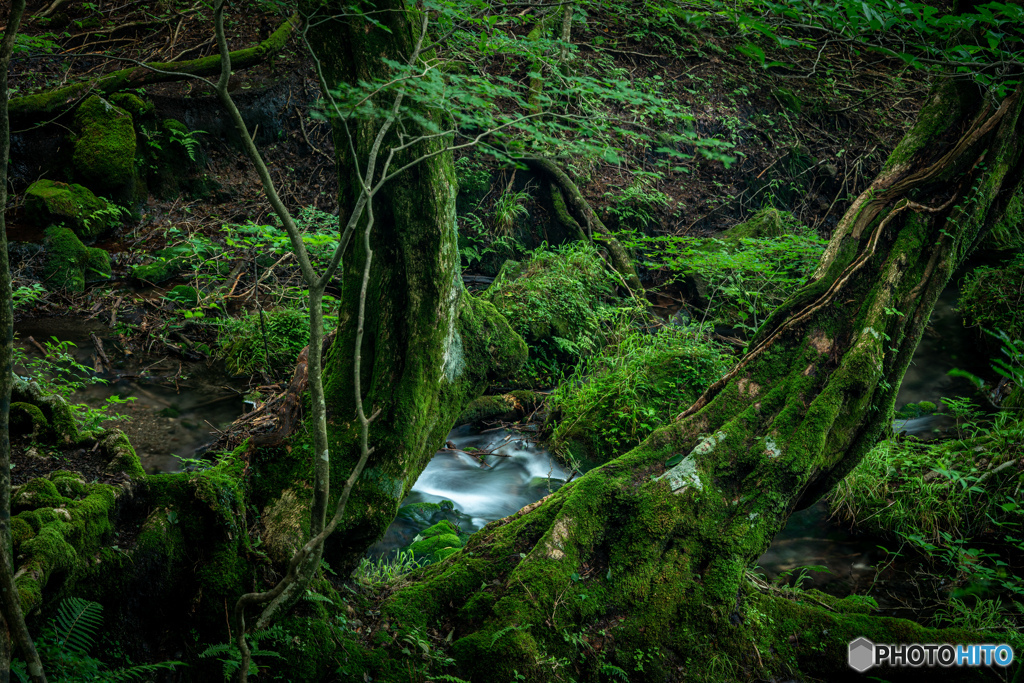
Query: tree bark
[
  {"x": 650, "y": 549},
  {"x": 428, "y": 346}
]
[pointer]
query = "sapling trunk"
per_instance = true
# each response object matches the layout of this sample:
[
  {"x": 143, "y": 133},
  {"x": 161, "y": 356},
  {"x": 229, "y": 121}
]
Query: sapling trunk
[{"x": 10, "y": 602}]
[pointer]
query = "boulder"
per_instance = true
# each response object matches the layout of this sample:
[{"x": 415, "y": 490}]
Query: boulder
[
  {"x": 70, "y": 264},
  {"x": 49, "y": 202},
  {"x": 104, "y": 153}
]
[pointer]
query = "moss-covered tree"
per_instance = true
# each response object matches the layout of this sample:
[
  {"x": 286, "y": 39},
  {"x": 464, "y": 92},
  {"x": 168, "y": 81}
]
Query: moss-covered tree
[{"x": 650, "y": 550}]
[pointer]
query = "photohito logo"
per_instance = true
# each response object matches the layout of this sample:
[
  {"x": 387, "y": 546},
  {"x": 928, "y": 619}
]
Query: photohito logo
[{"x": 864, "y": 654}]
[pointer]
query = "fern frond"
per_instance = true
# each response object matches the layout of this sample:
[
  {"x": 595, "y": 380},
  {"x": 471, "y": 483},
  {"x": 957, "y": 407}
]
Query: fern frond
[
  {"x": 76, "y": 624},
  {"x": 316, "y": 597},
  {"x": 214, "y": 650},
  {"x": 138, "y": 673}
]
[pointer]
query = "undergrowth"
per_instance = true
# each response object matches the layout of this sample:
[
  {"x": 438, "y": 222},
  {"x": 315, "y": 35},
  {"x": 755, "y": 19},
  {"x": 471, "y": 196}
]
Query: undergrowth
[{"x": 616, "y": 398}]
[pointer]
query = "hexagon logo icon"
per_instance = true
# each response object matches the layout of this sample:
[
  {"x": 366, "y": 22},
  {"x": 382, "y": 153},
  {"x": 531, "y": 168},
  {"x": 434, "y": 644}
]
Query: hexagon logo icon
[{"x": 862, "y": 655}]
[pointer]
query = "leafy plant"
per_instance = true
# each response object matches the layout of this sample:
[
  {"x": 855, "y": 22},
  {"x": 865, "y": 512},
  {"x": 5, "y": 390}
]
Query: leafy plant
[
  {"x": 65, "y": 643},
  {"x": 60, "y": 374},
  {"x": 264, "y": 340},
  {"x": 507, "y": 209},
  {"x": 231, "y": 657},
  {"x": 740, "y": 280},
  {"x": 27, "y": 295},
  {"x": 385, "y": 570},
  {"x": 635, "y": 207},
  {"x": 187, "y": 140}
]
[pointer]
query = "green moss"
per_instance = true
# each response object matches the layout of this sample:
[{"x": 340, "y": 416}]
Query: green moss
[
  {"x": 123, "y": 458},
  {"x": 104, "y": 153},
  {"x": 65, "y": 532},
  {"x": 21, "y": 531},
  {"x": 553, "y": 301},
  {"x": 70, "y": 264},
  {"x": 27, "y": 418},
  {"x": 618, "y": 397},
  {"x": 37, "y": 493},
  {"x": 156, "y": 272},
  {"x": 133, "y": 104},
  {"x": 48, "y": 202}
]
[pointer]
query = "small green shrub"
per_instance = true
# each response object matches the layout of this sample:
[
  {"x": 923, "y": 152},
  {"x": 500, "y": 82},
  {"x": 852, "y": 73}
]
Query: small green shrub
[
  {"x": 637, "y": 205},
  {"x": 739, "y": 280},
  {"x": 956, "y": 502},
  {"x": 508, "y": 208},
  {"x": 615, "y": 399},
  {"x": 249, "y": 344}
]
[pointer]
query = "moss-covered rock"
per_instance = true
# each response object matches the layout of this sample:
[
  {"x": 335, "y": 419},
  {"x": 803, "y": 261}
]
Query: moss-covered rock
[
  {"x": 133, "y": 104},
  {"x": 49, "y": 202},
  {"x": 620, "y": 396},
  {"x": 437, "y": 542},
  {"x": 64, "y": 428},
  {"x": 766, "y": 223},
  {"x": 157, "y": 271},
  {"x": 511, "y": 406},
  {"x": 70, "y": 264},
  {"x": 27, "y": 418},
  {"x": 104, "y": 153}
]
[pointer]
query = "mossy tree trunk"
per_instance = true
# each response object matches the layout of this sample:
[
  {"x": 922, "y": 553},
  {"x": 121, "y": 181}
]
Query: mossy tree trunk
[
  {"x": 650, "y": 549},
  {"x": 428, "y": 347}
]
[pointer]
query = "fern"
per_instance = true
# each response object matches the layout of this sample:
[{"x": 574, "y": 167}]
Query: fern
[
  {"x": 76, "y": 624},
  {"x": 316, "y": 597},
  {"x": 65, "y": 643},
  {"x": 140, "y": 672},
  {"x": 231, "y": 658}
]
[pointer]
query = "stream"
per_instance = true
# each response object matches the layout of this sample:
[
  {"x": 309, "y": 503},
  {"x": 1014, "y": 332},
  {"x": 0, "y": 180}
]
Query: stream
[
  {"x": 490, "y": 474},
  {"x": 177, "y": 406},
  {"x": 485, "y": 491}
]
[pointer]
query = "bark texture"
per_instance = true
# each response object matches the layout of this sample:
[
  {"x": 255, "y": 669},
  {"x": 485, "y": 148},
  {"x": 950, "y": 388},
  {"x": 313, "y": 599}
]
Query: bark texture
[{"x": 428, "y": 346}]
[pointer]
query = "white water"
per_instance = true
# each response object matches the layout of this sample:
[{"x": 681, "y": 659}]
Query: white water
[{"x": 488, "y": 487}]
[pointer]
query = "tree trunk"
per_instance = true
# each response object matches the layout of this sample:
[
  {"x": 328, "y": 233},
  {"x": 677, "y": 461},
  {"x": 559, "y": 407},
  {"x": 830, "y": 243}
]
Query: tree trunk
[
  {"x": 428, "y": 347},
  {"x": 649, "y": 550}
]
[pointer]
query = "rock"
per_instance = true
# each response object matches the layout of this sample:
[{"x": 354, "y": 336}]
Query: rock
[
  {"x": 133, "y": 104},
  {"x": 49, "y": 202},
  {"x": 70, "y": 264},
  {"x": 104, "y": 153}
]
